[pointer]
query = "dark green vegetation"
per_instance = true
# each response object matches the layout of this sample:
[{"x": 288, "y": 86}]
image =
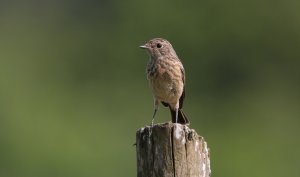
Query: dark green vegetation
[{"x": 73, "y": 89}]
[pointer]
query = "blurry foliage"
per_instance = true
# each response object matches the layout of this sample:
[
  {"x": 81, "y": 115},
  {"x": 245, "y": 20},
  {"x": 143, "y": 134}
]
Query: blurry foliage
[{"x": 73, "y": 89}]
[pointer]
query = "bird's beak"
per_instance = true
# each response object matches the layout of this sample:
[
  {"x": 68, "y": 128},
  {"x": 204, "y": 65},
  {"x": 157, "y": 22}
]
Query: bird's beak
[{"x": 143, "y": 47}]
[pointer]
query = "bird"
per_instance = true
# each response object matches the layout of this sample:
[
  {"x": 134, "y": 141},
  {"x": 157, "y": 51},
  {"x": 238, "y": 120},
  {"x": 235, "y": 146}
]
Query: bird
[{"x": 166, "y": 77}]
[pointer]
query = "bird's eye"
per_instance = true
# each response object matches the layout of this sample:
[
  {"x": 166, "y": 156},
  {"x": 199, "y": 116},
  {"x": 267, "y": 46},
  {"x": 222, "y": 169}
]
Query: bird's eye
[{"x": 158, "y": 45}]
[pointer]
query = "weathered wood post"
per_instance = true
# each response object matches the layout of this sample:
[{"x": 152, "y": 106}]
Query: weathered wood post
[{"x": 171, "y": 150}]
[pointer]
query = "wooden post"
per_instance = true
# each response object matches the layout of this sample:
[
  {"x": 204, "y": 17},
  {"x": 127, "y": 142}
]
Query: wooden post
[{"x": 171, "y": 150}]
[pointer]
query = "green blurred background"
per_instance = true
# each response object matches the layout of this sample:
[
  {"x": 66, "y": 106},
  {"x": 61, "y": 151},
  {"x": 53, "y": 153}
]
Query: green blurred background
[{"x": 73, "y": 89}]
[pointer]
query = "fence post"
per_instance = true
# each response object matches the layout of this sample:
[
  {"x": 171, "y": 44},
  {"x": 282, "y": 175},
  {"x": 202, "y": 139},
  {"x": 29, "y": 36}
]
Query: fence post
[{"x": 171, "y": 150}]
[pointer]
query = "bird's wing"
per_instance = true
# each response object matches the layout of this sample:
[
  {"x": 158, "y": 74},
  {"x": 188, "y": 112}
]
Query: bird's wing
[{"x": 181, "y": 99}]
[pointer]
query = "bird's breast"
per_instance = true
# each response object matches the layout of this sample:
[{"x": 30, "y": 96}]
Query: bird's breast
[{"x": 165, "y": 82}]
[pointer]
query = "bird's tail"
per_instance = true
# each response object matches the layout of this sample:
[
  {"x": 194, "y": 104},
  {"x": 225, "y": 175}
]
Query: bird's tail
[{"x": 182, "y": 119}]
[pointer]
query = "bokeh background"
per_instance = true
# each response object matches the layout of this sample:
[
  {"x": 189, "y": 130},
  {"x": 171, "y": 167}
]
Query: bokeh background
[{"x": 73, "y": 89}]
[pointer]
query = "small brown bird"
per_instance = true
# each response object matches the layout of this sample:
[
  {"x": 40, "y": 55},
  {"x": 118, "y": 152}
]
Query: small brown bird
[{"x": 166, "y": 77}]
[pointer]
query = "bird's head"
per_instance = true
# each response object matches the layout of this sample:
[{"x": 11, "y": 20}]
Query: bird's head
[{"x": 159, "y": 47}]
